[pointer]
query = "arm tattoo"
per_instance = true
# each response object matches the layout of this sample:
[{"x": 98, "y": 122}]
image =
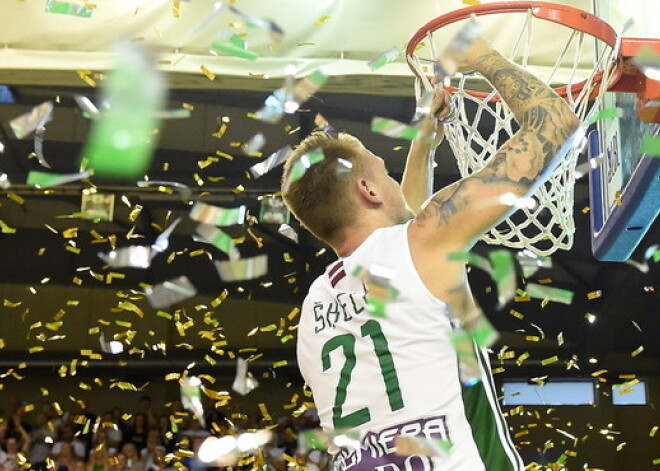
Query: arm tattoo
[{"x": 546, "y": 121}]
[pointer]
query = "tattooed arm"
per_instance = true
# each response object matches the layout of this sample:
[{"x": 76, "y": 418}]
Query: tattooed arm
[
  {"x": 417, "y": 181},
  {"x": 460, "y": 213}
]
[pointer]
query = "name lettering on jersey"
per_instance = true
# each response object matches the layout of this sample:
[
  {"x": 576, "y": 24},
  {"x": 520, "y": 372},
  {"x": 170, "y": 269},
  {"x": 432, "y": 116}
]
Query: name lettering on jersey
[
  {"x": 377, "y": 450},
  {"x": 342, "y": 309}
]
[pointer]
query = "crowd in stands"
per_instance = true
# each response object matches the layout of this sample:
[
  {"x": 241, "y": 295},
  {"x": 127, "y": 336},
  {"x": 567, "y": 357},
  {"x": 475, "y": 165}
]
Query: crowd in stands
[{"x": 48, "y": 438}]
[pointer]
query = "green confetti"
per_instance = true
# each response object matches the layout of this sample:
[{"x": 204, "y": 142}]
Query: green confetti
[
  {"x": 472, "y": 259},
  {"x": 614, "y": 112},
  {"x": 484, "y": 333},
  {"x": 303, "y": 164},
  {"x": 504, "y": 275},
  {"x": 548, "y": 292},
  {"x": 44, "y": 179},
  {"x": 651, "y": 145},
  {"x": 384, "y": 58},
  {"x": 394, "y": 129},
  {"x": 68, "y": 8},
  {"x": 468, "y": 363},
  {"x": 234, "y": 45},
  {"x": 122, "y": 139}
]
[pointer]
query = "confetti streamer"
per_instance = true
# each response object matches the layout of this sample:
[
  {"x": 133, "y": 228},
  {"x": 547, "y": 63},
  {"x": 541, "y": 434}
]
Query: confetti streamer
[
  {"x": 385, "y": 58},
  {"x": 407, "y": 445},
  {"x": 191, "y": 397},
  {"x": 504, "y": 274},
  {"x": 468, "y": 363},
  {"x": 379, "y": 290},
  {"x": 162, "y": 242},
  {"x": 219, "y": 240},
  {"x": 43, "y": 179},
  {"x": 547, "y": 292},
  {"x": 170, "y": 292},
  {"x": 39, "y": 134},
  {"x": 243, "y": 381},
  {"x": 274, "y": 30},
  {"x": 68, "y": 8},
  {"x": 121, "y": 142},
  {"x": 217, "y": 216},
  {"x": 648, "y": 62},
  {"x": 27, "y": 123},
  {"x": 184, "y": 190},
  {"x": 289, "y": 232},
  {"x": 304, "y": 163},
  {"x": 454, "y": 53},
  {"x": 255, "y": 144},
  {"x": 289, "y": 98},
  {"x": 275, "y": 159},
  {"x": 530, "y": 263},
  {"x": 393, "y": 128},
  {"x": 135, "y": 256},
  {"x": 322, "y": 124},
  {"x": 243, "y": 268},
  {"x": 232, "y": 44},
  {"x": 113, "y": 346},
  {"x": 4, "y": 181},
  {"x": 653, "y": 252}
]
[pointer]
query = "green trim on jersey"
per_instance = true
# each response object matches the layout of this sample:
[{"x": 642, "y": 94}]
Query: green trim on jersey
[{"x": 483, "y": 420}]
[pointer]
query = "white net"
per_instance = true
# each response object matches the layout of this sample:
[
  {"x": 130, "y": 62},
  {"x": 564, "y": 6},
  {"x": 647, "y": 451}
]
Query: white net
[{"x": 545, "y": 223}]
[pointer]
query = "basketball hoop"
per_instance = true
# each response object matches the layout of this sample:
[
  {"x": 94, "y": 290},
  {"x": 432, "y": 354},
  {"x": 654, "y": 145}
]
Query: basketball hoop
[{"x": 587, "y": 58}]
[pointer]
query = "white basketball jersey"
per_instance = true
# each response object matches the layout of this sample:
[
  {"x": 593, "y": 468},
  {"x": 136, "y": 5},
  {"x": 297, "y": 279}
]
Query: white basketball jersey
[{"x": 387, "y": 374}]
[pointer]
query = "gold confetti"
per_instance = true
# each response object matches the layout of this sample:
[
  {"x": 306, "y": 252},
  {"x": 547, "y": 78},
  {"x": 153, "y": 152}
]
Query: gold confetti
[
  {"x": 207, "y": 73},
  {"x": 560, "y": 338},
  {"x": 654, "y": 429},
  {"x": 221, "y": 297},
  {"x": 35, "y": 349},
  {"x": 550, "y": 360},
  {"x": 594, "y": 294},
  {"x": 522, "y": 358},
  {"x": 264, "y": 412},
  {"x": 322, "y": 20},
  {"x": 595, "y": 374},
  {"x": 516, "y": 314},
  {"x": 637, "y": 351},
  {"x": 6, "y": 229}
]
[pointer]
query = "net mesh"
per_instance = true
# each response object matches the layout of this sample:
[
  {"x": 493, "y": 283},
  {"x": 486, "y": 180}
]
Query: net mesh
[{"x": 545, "y": 223}]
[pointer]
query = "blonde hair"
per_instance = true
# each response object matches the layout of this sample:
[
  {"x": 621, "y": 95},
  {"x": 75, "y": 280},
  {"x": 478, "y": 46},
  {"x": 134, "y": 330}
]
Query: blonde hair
[{"x": 322, "y": 199}]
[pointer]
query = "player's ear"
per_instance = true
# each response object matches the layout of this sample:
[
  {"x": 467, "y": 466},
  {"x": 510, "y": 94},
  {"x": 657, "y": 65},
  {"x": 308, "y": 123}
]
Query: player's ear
[{"x": 368, "y": 192}]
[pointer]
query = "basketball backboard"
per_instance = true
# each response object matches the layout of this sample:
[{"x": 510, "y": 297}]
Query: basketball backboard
[{"x": 625, "y": 185}]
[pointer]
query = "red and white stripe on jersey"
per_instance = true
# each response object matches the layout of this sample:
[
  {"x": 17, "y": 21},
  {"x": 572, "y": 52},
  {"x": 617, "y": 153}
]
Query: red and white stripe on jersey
[{"x": 336, "y": 273}]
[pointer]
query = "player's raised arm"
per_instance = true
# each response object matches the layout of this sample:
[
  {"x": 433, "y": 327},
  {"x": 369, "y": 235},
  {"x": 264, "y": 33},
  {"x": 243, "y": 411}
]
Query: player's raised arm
[
  {"x": 456, "y": 216},
  {"x": 417, "y": 181}
]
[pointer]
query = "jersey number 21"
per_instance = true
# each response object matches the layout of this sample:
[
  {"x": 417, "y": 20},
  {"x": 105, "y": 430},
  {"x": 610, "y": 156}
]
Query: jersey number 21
[{"x": 372, "y": 329}]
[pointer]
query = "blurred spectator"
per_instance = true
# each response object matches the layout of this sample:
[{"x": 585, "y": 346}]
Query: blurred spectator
[
  {"x": 42, "y": 437},
  {"x": 136, "y": 433},
  {"x": 195, "y": 430},
  {"x": 67, "y": 436}
]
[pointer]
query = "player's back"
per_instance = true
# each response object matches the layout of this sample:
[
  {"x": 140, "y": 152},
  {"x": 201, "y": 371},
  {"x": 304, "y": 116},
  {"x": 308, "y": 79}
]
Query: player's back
[{"x": 386, "y": 375}]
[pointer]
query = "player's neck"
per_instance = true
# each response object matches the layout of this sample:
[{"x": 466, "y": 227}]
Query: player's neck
[{"x": 357, "y": 233}]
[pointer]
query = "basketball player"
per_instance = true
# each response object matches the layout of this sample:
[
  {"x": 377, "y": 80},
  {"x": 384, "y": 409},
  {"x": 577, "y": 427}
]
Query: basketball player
[{"x": 396, "y": 374}]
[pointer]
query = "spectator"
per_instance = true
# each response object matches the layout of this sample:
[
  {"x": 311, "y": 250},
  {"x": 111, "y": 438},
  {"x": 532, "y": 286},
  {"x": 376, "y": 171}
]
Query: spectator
[
  {"x": 145, "y": 407},
  {"x": 42, "y": 438},
  {"x": 64, "y": 457},
  {"x": 195, "y": 430},
  {"x": 67, "y": 436},
  {"x": 136, "y": 433},
  {"x": 152, "y": 454}
]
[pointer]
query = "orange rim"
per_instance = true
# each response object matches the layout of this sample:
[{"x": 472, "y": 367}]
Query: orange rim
[{"x": 560, "y": 14}]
